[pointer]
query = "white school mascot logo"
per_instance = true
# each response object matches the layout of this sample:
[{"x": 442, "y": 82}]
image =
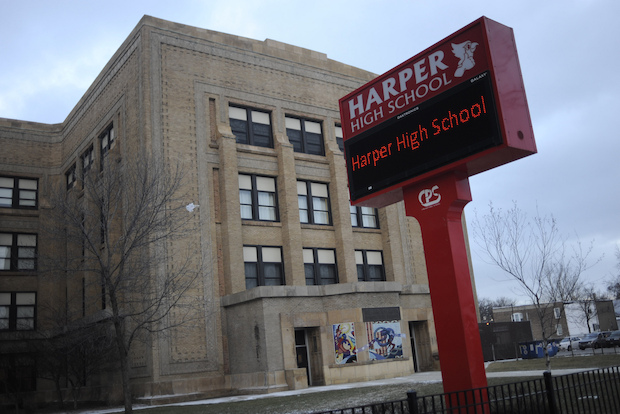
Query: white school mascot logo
[
  {"x": 465, "y": 52},
  {"x": 429, "y": 197}
]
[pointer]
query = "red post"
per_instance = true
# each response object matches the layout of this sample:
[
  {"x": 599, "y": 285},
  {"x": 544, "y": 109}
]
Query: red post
[{"x": 438, "y": 205}]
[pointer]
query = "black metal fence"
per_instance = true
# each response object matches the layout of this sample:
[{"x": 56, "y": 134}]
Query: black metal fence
[{"x": 595, "y": 391}]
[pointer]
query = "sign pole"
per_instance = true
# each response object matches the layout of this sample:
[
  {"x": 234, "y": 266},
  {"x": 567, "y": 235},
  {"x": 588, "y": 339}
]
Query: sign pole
[{"x": 438, "y": 205}]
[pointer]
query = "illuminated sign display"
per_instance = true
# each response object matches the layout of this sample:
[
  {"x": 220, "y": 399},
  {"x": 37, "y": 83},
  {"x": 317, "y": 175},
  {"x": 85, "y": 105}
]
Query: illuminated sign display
[
  {"x": 450, "y": 127},
  {"x": 458, "y": 105}
]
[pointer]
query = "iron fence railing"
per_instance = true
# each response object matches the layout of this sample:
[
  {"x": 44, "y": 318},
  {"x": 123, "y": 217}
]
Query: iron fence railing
[
  {"x": 588, "y": 392},
  {"x": 392, "y": 407}
]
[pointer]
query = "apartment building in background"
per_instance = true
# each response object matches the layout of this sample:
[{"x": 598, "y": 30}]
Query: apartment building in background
[{"x": 301, "y": 288}]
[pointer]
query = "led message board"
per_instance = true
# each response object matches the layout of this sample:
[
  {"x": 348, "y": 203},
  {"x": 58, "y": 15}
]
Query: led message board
[
  {"x": 447, "y": 128},
  {"x": 459, "y": 105}
]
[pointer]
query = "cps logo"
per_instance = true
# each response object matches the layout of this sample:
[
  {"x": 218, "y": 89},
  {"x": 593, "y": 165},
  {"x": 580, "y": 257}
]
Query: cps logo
[{"x": 429, "y": 197}]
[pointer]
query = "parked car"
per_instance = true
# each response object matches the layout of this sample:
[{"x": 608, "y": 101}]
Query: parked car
[
  {"x": 569, "y": 343},
  {"x": 593, "y": 340},
  {"x": 613, "y": 339}
]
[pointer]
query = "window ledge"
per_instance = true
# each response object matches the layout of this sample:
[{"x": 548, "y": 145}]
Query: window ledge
[
  {"x": 366, "y": 230},
  {"x": 7, "y": 335},
  {"x": 255, "y": 149},
  {"x": 261, "y": 223},
  {"x": 311, "y": 157},
  {"x": 317, "y": 226},
  {"x": 22, "y": 212},
  {"x": 264, "y": 292},
  {"x": 18, "y": 273}
]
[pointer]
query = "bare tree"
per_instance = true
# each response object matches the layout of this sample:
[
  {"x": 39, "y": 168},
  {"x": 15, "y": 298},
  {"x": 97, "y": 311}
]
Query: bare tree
[
  {"x": 71, "y": 350},
  {"x": 534, "y": 254},
  {"x": 126, "y": 253}
]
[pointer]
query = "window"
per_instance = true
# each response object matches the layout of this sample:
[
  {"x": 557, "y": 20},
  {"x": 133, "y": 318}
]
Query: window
[
  {"x": 17, "y": 373},
  {"x": 305, "y": 136},
  {"x": 369, "y": 265},
  {"x": 257, "y": 196},
  {"x": 320, "y": 266},
  {"x": 17, "y": 311},
  {"x": 16, "y": 192},
  {"x": 313, "y": 200},
  {"x": 71, "y": 178},
  {"x": 87, "y": 160},
  {"x": 263, "y": 266},
  {"x": 18, "y": 251},
  {"x": 558, "y": 329},
  {"x": 364, "y": 217},
  {"x": 339, "y": 138},
  {"x": 517, "y": 317},
  {"x": 103, "y": 222},
  {"x": 250, "y": 126},
  {"x": 107, "y": 139},
  {"x": 557, "y": 313}
]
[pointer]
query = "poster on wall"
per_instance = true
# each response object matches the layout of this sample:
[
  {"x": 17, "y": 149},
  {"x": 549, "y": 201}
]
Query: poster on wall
[
  {"x": 344, "y": 342},
  {"x": 384, "y": 340}
]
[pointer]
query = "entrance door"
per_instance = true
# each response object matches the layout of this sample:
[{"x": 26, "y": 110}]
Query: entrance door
[
  {"x": 420, "y": 346},
  {"x": 414, "y": 349},
  {"x": 301, "y": 351},
  {"x": 308, "y": 352},
  {"x": 316, "y": 359}
]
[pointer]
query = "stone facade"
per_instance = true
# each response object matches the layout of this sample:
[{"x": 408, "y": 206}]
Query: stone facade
[{"x": 167, "y": 92}]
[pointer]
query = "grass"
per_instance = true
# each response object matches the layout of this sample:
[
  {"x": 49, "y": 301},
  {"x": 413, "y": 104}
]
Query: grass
[
  {"x": 308, "y": 402},
  {"x": 367, "y": 393},
  {"x": 320, "y": 401},
  {"x": 557, "y": 362},
  {"x": 331, "y": 400}
]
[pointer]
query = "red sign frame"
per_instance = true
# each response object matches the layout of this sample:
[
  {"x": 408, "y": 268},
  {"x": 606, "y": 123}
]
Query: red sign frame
[{"x": 482, "y": 48}]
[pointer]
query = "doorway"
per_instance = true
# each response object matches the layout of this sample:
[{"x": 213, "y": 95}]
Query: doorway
[
  {"x": 420, "y": 346},
  {"x": 308, "y": 354}
]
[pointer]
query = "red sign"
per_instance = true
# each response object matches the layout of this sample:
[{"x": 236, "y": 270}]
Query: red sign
[
  {"x": 422, "y": 77},
  {"x": 459, "y": 105}
]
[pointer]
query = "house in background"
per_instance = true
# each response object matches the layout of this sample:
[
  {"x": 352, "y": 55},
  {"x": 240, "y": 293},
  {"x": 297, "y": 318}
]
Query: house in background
[
  {"x": 590, "y": 316},
  {"x": 560, "y": 319}
]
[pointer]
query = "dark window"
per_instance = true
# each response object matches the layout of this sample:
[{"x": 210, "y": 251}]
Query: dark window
[
  {"x": 103, "y": 222},
  {"x": 107, "y": 140},
  {"x": 16, "y": 192},
  {"x": 364, "y": 217},
  {"x": 320, "y": 266},
  {"x": 263, "y": 266},
  {"x": 18, "y": 251},
  {"x": 369, "y": 265},
  {"x": 87, "y": 160},
  {"x": 305, "y": 135},
  {"x": 83, "y": 229},
  {"x": 258, "y": 197},
  {"x": 250, "y": 126},
  {"x": 71, "y": 177},
  {"x": 313, "y": 200},
  {"x": 17, "y": 373},
  {"x": 17, "y": 311},
  {"x": 339, "y": 138}
]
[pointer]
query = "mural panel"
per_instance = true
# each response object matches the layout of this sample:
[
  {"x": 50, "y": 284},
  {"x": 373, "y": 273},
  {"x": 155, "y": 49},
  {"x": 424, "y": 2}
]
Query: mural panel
[
  {"x": 344, "y": 342},
  {"x": 384, "y": 340}
]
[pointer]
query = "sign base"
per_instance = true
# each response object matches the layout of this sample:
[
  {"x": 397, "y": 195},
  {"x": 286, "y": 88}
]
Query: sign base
[{"x": 438, "y": 205}]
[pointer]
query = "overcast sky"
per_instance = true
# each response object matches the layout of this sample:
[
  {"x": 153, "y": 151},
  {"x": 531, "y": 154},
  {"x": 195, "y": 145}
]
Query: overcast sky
[{"x": 51, "y": 51}]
